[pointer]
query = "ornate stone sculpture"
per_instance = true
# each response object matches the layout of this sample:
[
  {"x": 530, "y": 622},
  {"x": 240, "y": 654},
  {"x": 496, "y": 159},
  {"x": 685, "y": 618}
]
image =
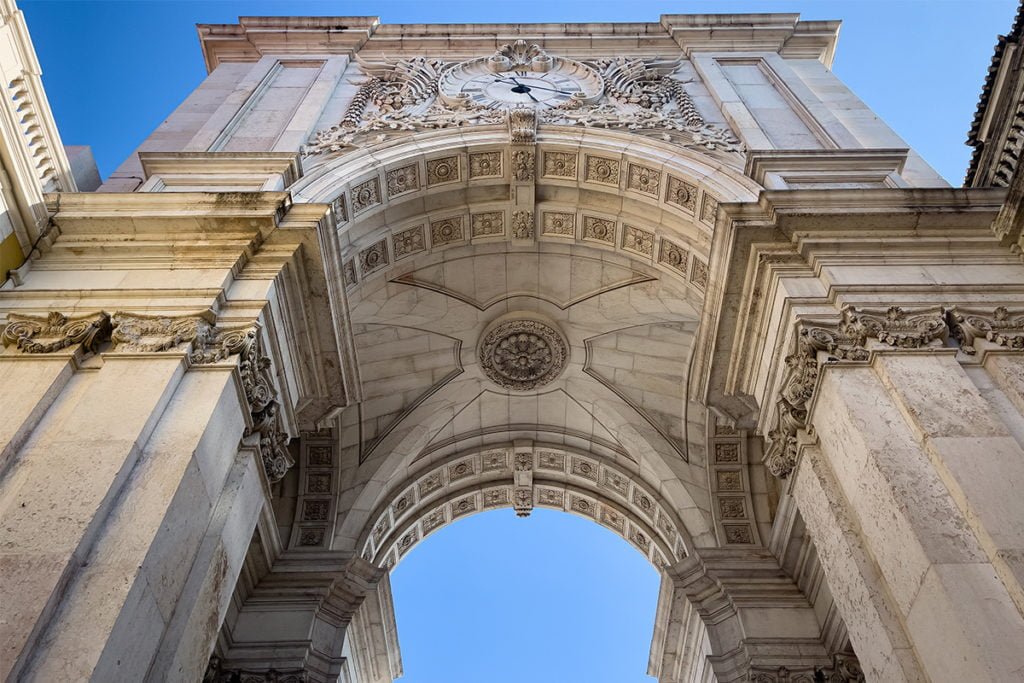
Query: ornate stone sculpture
[
  {"x": 522, "y": 354},
  {"x": 56, "y": 331},
  {"x": 642, "y": 96},
  {"x": 845, "y": 341},
  {"x": 272, "y": 441},
  {"x": 1000, "y": 327},
  {"x": 420, "y": 94},
  {"x": 135, "y": 332}
]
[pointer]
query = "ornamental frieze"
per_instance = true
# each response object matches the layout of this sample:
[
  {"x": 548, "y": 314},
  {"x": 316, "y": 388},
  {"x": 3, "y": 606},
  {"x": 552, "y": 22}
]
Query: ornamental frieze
[
  {"x": 151, "y": 333},
  {"x": 521, "y": 86},
  {"x": 271, "y": 439},
  {"x": 133, "y": 332},
  {"x": 846, "y": 340},
  {"x": 56, "y": 331}
]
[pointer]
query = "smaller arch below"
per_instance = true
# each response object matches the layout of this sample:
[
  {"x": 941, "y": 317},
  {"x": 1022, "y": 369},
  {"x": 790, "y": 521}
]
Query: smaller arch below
[{"x": 522, "y": 476}]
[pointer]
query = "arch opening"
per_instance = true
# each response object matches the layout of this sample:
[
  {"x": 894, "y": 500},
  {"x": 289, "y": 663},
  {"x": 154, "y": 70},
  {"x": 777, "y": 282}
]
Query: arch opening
[{"x": 498, "y": 598}]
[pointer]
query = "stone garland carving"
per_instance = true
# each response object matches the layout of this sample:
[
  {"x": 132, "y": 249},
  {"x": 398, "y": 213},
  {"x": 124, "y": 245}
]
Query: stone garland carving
[
  {"x": 820, "y": 343},
  {"x": 34, "y": 334},
  {"x": 259, "y": 390},
  {"x": 522, "y": 354},
  {"x": 522, "y": 225},
  {"x": 639, "y": 95}
]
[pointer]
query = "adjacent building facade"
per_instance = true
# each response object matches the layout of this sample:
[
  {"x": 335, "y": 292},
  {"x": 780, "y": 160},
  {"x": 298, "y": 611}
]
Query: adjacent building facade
[{"x": 368, "y": 279}]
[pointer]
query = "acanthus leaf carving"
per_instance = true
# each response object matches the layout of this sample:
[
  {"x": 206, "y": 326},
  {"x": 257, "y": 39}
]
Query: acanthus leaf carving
[
  {"x": 408, "y": 95},
  {"x": 1000, "y": 327},
  {"x": 845, "y": 340},
  {"x": 260, "y": 392},
  {"x": 151, "y": 333},
  {"x": 36, "y": 334}
]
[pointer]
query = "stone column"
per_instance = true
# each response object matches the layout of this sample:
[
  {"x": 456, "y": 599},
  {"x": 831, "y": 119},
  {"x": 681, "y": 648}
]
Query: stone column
[
  {"x": 124, "y": 482},
  {"x": 913, "y": 498}
]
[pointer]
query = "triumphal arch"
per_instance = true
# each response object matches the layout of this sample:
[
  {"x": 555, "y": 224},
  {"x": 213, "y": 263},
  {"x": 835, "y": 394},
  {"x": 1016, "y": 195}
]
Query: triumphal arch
[{"x": 369, "y": 279}]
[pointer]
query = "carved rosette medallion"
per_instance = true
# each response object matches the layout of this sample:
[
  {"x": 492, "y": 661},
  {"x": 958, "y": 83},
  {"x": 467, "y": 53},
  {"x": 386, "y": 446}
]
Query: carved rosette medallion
[{"x": 522, "y": 354}]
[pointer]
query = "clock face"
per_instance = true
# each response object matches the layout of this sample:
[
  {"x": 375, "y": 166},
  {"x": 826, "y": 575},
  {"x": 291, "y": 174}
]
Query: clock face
[
  {"x": 510, "y": 89},
  {"x": 510, "y": 80}
]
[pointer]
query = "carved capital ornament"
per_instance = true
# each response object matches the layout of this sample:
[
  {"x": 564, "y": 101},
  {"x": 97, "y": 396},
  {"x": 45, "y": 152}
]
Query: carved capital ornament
[{"x": 818, "y": 344}]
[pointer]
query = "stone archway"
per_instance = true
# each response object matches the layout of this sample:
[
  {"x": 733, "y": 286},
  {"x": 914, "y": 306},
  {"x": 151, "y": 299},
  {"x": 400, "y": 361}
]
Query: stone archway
[{"x": 606, "y": 235}]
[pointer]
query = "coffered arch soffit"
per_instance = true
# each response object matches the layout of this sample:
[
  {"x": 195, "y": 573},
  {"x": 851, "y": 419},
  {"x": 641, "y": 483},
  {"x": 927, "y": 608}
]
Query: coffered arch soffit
[
  {"x": 434, "y": 248},
  {"x": 522, "y": 476}
]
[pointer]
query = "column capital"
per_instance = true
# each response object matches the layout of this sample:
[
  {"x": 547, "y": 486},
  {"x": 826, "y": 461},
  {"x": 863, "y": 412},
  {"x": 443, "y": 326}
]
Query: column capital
[{"x": 850, "y": 337}]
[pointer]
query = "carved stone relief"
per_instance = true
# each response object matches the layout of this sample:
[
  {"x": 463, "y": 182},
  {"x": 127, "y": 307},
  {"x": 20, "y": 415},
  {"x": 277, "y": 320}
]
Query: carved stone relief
[
  {"x": 820, "y": 343},
  {"x": 522, "y": 354},
  {"x": 32, "y": 334},
  {"x": 420, "y": 93}
]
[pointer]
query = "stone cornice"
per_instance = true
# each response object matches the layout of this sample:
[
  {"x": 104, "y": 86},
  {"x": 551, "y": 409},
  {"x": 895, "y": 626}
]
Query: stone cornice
[
  {"x": 782, "y": 33},
  {"x": 287, "y": 165},
  {"x": 788, "y": 234},
  {"x": 142, "y": 212},
  {"x": 252, "y": 37}
]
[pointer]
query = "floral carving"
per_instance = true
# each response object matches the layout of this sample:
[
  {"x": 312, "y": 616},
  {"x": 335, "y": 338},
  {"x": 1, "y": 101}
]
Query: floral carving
[
  {"x": 446, "y": 231},
  {"x": 408, "y": 241},
  {"x": 681, "y": 194},
  {"x": 844, "y": 341},
  {"x": 444, "y": 170},
  {"x": 485, "y": 165},
  {"x": 560, "y": 164},
  {"x": 699, "y": 273},
  {"x": 56, "y": 331},
  {"x": 365, "y": 195},
  {"x": 601, "y": 170},
  {"x": 523, "y": 165},
  {"x": 637, "y": 240},
  {"x": 643, "y": 179},
  {"x": 373, "y": 257},
  {"x": 522, "y": 354},
  {"x": 673, "y": 256},
  {"x": 135, "y": 332},
  {"x": 488, "y": 223},
  {"x": 403, "y": 180},
  {"x": 558, "y": 223},
  {"x": 522, "y": 225},
  {"x": 599, "y": 229},
  {"x": 1000, "y": 327},
  {"x": 267, "y": 431}
]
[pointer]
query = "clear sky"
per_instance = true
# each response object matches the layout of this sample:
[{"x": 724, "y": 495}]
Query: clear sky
[
  {"x": 115, "y": 70},
  {"x": 552, "y": 598}
]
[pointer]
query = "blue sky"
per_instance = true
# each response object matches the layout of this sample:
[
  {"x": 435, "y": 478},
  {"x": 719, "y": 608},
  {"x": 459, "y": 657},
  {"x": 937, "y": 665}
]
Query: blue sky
[
  {"x": 115, "y": 70},
  {"x": 552, "y": 598}
]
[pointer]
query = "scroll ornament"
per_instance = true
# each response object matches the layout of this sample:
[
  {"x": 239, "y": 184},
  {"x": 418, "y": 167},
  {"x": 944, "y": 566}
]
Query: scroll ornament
[
  {"x": 132, "y": 332},
  {"x": 641, "y": 95},
  {"x": 257, "y": 382},
  {"x": 847, "y": 340},
  {"x": 32, "y": 334}
]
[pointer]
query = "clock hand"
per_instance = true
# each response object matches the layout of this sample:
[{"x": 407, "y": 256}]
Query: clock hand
[{"x": 533, "y": 87}]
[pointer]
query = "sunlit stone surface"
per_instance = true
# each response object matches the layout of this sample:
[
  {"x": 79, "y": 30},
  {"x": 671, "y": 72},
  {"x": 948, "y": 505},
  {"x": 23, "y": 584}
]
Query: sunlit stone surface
[{"x": 671, "y": 277}]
